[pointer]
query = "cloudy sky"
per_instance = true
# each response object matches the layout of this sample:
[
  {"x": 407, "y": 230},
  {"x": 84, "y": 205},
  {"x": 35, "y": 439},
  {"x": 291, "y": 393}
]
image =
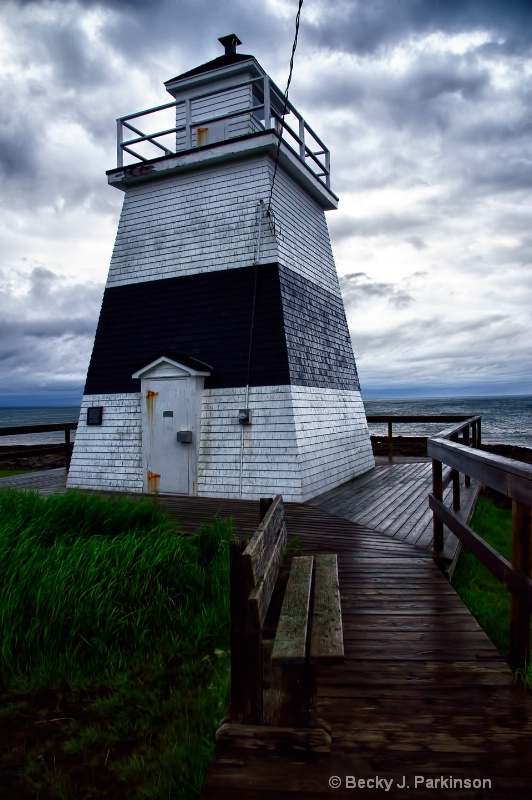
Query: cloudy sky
[{"x": 426, "y": 106}]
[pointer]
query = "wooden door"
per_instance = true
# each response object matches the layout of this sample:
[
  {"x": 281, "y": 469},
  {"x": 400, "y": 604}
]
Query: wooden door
[{"x": 167, "y": 410}]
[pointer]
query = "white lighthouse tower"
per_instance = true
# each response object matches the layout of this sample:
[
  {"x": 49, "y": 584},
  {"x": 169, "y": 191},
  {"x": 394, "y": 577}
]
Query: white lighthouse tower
[{"x": 222, "y": 364}]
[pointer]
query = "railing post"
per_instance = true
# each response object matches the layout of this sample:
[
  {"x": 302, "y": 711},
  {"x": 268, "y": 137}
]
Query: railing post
[
  {"x": 437, "y": 491},
  {"x": 521, "y": 560},
  {"x": 456, "y": 489},
  {"x": 188, "y": 124},
  {"x": 479, "y": 433},
  {"x": 119, "y": 151},
  {"x": 390, "y": 439},
  {"x": 328, "y": 168},
  {"x": 467, "y": 479},
  {"x": 302, "y": 137},
  {"x": 267, "y": 103},
  {"x": 68, "y": 449}
]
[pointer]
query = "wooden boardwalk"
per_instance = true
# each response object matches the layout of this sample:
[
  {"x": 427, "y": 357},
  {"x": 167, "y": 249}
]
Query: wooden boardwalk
[
  {"x": 44, "y": 481},
  {"x": 423, "y": 692},
  {"x": 393, "y": 499},
  {"x": 422, "y": 696}
]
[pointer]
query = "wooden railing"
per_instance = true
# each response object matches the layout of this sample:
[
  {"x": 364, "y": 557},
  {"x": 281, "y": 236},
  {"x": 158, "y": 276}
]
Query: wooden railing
[
  {"x": 40, "y": 449},
  {"x": 455, "y": 448},
  {"x": 428, "y": 418},
  {"x": 305, "y": 143}
]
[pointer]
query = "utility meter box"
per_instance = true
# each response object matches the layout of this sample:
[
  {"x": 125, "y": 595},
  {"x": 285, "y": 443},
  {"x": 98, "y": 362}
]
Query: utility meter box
[{"x": 244, "y": 416}]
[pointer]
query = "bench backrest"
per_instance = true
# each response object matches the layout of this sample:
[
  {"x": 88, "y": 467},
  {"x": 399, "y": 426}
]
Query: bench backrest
[
  {"x": 262, "y": 560},
  {"x": 254, "y": 569}
]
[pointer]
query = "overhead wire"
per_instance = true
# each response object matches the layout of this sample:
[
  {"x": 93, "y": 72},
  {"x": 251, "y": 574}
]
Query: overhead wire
[
  {"x": 270, "y": 214},
  {"x": 269, "y": 211}
]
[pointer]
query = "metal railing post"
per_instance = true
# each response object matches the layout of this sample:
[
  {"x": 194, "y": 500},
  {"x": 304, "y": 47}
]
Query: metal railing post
[
  {"x": 119, "y": 151},
  {"x": 267, "y": 103},
  {"x": 188, "y": 124},
  {"x": 390, "y": 439},
  {"x": 328, "y": 168},
  {"x": 302, "y": 137}
]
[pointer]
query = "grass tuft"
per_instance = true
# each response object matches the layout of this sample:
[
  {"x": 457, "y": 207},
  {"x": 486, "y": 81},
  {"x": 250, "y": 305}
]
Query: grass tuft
[
  {"x": 116, "y": 627},
  {"x": 488, "y": 600}
]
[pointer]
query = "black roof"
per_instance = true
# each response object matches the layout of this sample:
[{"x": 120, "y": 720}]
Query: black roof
[{"x": 216, "y": 63}]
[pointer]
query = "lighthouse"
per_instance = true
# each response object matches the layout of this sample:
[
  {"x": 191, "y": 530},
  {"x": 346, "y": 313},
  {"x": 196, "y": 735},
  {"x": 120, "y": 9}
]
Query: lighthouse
[{"x": 222, "y": 364}]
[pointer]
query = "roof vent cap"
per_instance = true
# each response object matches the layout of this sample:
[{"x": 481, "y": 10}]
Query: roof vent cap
[{"x": 230, "y": 43}]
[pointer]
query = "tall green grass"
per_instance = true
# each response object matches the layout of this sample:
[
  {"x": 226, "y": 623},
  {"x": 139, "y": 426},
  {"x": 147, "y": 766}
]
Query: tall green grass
[
  {"x": 487, "y": 599},
  {"x": 103, "y": 597}
]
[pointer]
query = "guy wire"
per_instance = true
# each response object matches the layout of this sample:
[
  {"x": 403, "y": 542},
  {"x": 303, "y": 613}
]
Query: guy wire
[{"x": 294, "y": 45}]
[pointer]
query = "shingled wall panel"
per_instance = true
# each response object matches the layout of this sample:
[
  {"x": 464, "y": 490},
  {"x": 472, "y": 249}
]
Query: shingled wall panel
[{"x": 208, "y": 317}]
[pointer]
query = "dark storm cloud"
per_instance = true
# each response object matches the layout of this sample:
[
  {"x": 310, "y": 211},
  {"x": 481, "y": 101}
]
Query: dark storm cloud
[
  {"x": 424, "y": 87},
  {"x": 362, "y": 27},
  {"x": 377, "y": 225},
  {"x": 140, "y": 30},
  {"x": 357, "y": 288},
  {"x": 46, "y": 327},
  {"x": 416, "y": 242},
  {"x": 407, "y": 358}
]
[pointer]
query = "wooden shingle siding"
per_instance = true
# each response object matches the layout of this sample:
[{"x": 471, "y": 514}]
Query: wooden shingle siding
[
  {"x": 302, "y": 441},
  {"x": 226, "y": 101},
  {"x": 205, "y": 220},
  {"x": 318, "y": 341},
  {"x": 332, "y": 437},
  {"x": 221, "y": 105},
  {"x": 300, "y": 333},
  {"x": 303, "y": 239},
  {"x": 205, "y": 316},
  {"x": 109, "y": 456}
]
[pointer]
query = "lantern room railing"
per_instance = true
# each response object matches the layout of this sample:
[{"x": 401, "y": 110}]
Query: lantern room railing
[{"x": 265, "y": 112}]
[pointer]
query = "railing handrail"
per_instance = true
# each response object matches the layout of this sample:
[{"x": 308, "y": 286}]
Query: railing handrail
[
  {"x": 46, "y": 428},
  {"x": 399, "y": 419},
  {"x": 270, "y": 89},
  {"x": 512, "y": 478},
  {"x": 416, "y": 418},
  {"x": 66, "y": 427}
]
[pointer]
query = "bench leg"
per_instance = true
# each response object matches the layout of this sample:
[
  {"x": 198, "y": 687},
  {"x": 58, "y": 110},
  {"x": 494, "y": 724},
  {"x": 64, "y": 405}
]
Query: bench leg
[{"x": 299, "y": 690}]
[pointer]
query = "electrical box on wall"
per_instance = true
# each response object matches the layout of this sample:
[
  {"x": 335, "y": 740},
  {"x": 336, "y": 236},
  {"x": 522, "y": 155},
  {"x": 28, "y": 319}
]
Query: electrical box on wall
[{"x": 244, "y": 416}]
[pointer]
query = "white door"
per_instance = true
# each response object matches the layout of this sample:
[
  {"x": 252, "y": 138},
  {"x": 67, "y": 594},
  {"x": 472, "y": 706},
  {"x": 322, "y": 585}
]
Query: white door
[{"x": 167, "y": 410}]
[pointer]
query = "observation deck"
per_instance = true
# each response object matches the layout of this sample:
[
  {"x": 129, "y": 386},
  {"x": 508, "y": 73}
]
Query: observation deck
[{"x": 220, "y": 114}]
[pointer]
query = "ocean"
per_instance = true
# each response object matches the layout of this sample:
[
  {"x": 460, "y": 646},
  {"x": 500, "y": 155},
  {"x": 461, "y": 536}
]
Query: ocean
[
  {"x": 11, "y": 417},
  {"x": 505, "y": 420}
]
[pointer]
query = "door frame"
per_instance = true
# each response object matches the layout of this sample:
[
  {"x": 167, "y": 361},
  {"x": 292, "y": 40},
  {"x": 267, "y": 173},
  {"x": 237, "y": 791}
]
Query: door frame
[{"x": 165, "y": 369}]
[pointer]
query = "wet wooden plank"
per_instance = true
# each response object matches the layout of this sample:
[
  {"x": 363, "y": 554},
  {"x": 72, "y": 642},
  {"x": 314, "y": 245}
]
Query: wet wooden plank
[
  {"x": 290, "y": 646},
  {"x": 326, "y": 642},
  {"x": 44, "y": 481}
]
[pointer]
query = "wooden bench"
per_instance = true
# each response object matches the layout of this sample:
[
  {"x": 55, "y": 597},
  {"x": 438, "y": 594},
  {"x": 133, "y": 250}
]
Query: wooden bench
[{"x": 276, "y": 646}]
